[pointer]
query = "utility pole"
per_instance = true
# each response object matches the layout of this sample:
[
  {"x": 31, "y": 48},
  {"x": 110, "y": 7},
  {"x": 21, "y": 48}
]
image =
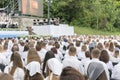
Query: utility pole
[{"x": 49, "y": 4}]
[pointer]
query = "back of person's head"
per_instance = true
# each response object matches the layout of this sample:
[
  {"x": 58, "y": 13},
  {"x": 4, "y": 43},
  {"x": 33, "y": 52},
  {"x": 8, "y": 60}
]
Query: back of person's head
[
  {"x": 33, "y": 71},
  {"x": 95, "y": 53},
  {"x": 69, "y": 73},
  {"x": 84, "y": 48},
  {"x": 15, "y": 48},
  {"x": 72, "y": 51},
  {"x": 104, "y": 56},
  {"x": 54, "y": 50},
  {"x": 70, "y": 44},
  {"x": 54, "y": 66},
  {"x": 100, "y": 46},
  {"x": 96, "y": 71},
  {"x": 43, "y": 45},
  {"x": 31, "y": 44},
  {"x": 77, "y": 43},
  {"x": 48, "y": 56},
  {"x": 37, "y": 76},
  {"x": 57, "y": 45},
  {"x": 87, "y": 54},
  {"x": 116, "y": 53},
  {"x": 38, "y": 47},
  {"x": 111, "y": 47},
  {"x": 26, "y": 47},
  {"x": 17, "y": 62},
  {"x": 33, "y": 55},
  {"x": 5, "y": 76}
]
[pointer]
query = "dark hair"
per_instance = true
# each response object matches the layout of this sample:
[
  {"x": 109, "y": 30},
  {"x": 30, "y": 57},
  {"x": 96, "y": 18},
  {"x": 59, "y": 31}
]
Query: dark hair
[
  {"x": 77, "y": 43},
  {"x": 87, "y": 54},
  {"x": 69, "y": 73},
  {"x": 57, "y": 45},
  {"x": 71, "y": 44},
  {"x": 26, "y": 47},
  {"x": 48, "y": 55},
  {"x": 104, "y": 56},
  {"x": 54, "y": 50},
  {"x": 17, "y": 62},
  {"x": 36, "y": 76}
]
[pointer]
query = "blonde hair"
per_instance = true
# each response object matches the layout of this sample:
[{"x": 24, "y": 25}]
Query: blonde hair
[{"x": 1, "y": 48}]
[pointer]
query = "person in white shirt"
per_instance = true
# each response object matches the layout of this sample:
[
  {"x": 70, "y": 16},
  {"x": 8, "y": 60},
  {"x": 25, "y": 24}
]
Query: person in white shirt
[
  {"x": 54, "y": 69},
  {"x": 96, "y": 71},
  {"x": 25, "y": 52},
  {"x": 69, "y": 73},
  {"x": 95, "y": 54},
  {"x": 104, "y": 56},
  {"x": 60, "y": 56},
  {"x": 116, "y": 72},
  {"x": 85, "y": 62},
  {"x": 3, "y": 59},
  {"x": 72, "y": 60},
  {"x": 15, "y": 68},
  {"x": 48, "y": 56},
  {"x": 49, "y": 45},
  {"x": 33, "y": 71},
  {"x": 81, "y": 54},
  {"x": 43, "y": 51},
  {"x": 115, "y": 58},
  {"x": 32, "y": 56}
]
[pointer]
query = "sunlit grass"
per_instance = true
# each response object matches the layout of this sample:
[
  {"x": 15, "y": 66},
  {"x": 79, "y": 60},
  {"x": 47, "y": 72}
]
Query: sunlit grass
[{"x": 86, "y": 30}]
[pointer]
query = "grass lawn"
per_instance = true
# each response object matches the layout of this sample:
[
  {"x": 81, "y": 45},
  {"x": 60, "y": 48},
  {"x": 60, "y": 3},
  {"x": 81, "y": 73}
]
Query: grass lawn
[{"x": 85, "y": 30}]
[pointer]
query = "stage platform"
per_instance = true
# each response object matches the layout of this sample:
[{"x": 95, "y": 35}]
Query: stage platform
[
  {"x": 12, "y": 34},
  {"x": 53, "y": 30}
]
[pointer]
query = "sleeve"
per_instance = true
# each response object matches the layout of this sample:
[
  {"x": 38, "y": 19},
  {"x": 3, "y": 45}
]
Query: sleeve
[
  {"x": 116, "y": 73},
  {"x": 81, "y": 69}
]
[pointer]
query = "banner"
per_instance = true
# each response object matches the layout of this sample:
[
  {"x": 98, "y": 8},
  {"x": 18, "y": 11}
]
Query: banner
[{"x": 32, "y": 7}]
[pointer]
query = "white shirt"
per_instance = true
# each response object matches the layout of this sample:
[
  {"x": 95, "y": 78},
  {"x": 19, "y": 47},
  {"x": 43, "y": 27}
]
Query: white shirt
[
  {"x": 18, "y": 74},
  {"x": 81, "y": 55},
  {"x": 110, "y": 65},
  {"x": 73, "y": 62},
  {"x": 42, "y": 54},
  {"x": 116, "y": 72},
  {"x": 85, "y": 62},
  {"x": 3, "y": 59}
]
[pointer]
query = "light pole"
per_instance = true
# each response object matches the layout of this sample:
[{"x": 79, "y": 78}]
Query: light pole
[{"x": 49, "y": 4}]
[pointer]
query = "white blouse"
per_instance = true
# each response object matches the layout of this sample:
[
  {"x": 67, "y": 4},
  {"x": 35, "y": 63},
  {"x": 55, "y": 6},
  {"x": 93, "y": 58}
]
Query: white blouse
[{"x": 18, "y": 74}]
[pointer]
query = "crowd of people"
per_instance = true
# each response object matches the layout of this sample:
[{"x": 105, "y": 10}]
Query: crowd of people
[
  {"x": 84, "y": 57},
  {"x": 6, "y": 21},
  {"x": 44, "y": 21}
]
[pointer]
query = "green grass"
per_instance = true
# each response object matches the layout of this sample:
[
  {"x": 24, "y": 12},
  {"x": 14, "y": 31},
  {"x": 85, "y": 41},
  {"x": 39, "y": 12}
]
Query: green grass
[
  {"x": 9, "y": 29},
  {"x": 86, "y": 30}
]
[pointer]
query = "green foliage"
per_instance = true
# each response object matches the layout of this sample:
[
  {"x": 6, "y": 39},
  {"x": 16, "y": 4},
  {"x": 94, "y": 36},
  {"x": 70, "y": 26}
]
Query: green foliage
[{"x": 98, "y": 14}]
